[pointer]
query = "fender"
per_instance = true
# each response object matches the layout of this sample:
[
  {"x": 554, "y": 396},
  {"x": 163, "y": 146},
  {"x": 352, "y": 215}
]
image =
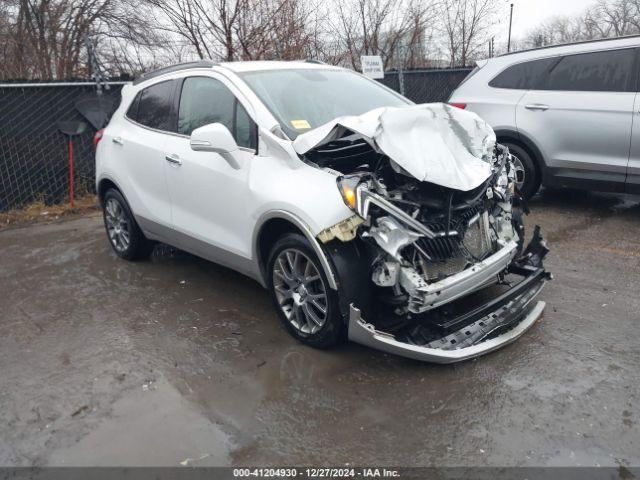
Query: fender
[
  {"x": 106, "y": 177},
  {"x": 306, "y": 231}
]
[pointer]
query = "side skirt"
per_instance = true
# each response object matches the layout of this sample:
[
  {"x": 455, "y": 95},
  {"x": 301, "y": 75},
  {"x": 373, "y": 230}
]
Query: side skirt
[{"x": 200, "y": 248}]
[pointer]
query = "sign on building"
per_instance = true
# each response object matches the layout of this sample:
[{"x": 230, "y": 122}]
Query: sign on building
[{"x": 372, "y": 66}]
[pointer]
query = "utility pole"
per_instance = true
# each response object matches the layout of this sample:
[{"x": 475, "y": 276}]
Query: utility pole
[
  {"x": 510, "y": 20},
  {"x": 399, "y": 61},
  {"x": 94, "y": 65}
]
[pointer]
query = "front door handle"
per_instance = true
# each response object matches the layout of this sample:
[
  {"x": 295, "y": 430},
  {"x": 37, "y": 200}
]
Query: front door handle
[
  {"x": 174, "y": 159},
  {"x": 537, "y": 106},
  {"x": 117, "y": 140}
]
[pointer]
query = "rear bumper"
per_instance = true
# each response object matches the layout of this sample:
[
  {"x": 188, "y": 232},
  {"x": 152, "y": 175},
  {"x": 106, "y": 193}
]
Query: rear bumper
[{"x": 486, "y": 328}]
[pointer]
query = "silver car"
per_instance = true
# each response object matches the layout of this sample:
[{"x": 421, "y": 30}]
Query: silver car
[{"x": 569, "y": 113}]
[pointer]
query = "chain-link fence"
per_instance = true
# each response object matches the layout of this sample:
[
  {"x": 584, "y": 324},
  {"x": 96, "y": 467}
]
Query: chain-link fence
[
  {"x": 426, "y": 86},
  {"x": 34, "y": 158},
  {"x": 34, "y": 153}
]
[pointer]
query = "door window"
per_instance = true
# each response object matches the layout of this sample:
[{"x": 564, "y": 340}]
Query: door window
[
  {"x": 244, "y": 127},
  {"x": 206, "y": 100},
  {"x": 154, "y": 106},
  {"x": 132, "y": 113},
  {"x": 609, "y": 71},
  {"x": 523, "y": 76}
]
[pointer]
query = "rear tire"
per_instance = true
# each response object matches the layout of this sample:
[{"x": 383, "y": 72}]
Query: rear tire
[
  {"x": 308, "y": 308},
  {"x": 528, "y": 177},
  {"x": 124, "y": 234}
]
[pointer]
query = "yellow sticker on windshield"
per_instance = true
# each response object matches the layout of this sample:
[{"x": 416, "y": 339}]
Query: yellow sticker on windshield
[{"x": 300, "y": 124}]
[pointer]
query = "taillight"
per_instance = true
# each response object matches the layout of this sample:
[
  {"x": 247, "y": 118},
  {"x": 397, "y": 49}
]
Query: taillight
[
  {"x": 459, "y": 105},
  {"x": 97, "y": 137}
]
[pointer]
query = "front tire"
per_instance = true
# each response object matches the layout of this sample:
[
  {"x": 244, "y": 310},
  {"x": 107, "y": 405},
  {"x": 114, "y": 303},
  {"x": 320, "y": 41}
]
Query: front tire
[
  {"x": 527, "y": 175},
  {"x": 308, "y": 308},
  {"x": 124, "y": 234}
]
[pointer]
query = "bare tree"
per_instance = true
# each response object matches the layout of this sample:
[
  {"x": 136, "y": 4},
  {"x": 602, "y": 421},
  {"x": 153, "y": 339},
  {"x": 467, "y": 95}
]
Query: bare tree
[
  {"x": 466, "y": 27},
  {"x": 603, "y": 19},
  {"x": 237, "y": 29},
  {"x": 282, "y": 29},
  {"x": 181, "y": 19},
  {"x": 382, "y": 27},
  {"x": 46, "y": 38},
  {"x": 613, "y": 18}
]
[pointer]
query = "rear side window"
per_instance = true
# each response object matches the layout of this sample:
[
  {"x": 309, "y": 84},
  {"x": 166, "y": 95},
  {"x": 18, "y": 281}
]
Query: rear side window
[
  {"x": 132, "y": 113},
  {"x": 523, "y": 76},
  {"x": 154, "y": 106},
  {"x": 608, "y": 71},
  {"x": 206, "y": 100}
]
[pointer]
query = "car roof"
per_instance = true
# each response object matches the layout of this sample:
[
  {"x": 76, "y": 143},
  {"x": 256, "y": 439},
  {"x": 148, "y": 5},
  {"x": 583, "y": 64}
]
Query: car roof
[
  {"x": 236, "y": 67},
  {"x": 585, "y": 45},
  {"x": 261, "y": 65},
  {"x": 563, "y": 49}
]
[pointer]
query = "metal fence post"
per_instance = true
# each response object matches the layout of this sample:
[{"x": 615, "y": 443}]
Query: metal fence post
[{"x": 399, "y": 68}]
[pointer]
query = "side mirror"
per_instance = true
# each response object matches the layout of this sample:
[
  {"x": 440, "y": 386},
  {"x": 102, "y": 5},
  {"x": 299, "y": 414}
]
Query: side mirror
[{"x": 213, "y": 137}]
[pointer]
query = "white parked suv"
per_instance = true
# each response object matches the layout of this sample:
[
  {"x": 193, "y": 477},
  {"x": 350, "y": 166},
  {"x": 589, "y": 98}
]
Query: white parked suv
[
  {"x": 569, "y": 113},
  {"x": 365, "y": 216}
]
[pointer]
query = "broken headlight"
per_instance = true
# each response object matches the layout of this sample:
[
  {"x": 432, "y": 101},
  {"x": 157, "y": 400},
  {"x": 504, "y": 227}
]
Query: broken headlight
[{"x": 348, "y": 186}]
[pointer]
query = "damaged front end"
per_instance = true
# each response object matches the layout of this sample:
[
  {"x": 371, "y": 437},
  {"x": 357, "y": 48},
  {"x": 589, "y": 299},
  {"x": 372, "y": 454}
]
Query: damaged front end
[{"x": 450, "y": 276}]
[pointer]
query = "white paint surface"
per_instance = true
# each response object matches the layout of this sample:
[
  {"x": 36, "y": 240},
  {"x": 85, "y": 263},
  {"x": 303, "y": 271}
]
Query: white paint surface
[{"x": 433, "y": 142}]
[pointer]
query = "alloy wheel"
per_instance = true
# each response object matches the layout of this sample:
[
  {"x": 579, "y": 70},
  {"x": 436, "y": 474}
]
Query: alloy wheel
[
  {"x": 519, "y": 172},
  {"x": 118, "y": 226},
  {"x": 300, "y": 291}
]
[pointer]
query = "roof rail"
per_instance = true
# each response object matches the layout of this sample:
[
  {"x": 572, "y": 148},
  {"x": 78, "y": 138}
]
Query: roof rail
[
  {"x": 174, "y": 68},
  {"x": 312, "y": 60},
  {"x": 623, "y": 37}
]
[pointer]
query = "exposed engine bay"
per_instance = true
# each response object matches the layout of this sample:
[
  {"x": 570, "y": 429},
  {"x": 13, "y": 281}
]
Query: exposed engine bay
[
  {"x": 425, "y": 232},
  {"x": 430, "y": 244}
]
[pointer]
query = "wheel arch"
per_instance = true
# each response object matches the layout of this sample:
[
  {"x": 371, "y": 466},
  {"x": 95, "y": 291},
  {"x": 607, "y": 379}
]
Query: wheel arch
[
  {"x": 271, "y": 226},
  {"x": 105, "y": 184},
  {"x": 513, "y": 136}
]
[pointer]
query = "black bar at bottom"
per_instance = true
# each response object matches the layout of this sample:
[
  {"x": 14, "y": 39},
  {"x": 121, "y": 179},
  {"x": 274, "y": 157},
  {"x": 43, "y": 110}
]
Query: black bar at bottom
[{"x": 534, "y": 276}]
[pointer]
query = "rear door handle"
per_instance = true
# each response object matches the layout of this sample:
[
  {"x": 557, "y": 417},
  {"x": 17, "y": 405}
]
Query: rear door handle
[
  {"x": 174, "y": 159},
  {"x": 537, "y": 106},
  {"x": 117, "y": 140}
]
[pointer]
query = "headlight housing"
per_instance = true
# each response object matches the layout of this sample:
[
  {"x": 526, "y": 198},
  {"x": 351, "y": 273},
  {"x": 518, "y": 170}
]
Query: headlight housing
[{"x": 348, "y": 186}]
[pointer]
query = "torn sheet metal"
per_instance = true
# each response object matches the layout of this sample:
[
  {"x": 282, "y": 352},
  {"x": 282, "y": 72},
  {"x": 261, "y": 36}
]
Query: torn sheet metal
[
  {"x": 391, "y": 236},
  {"x": 433, "y": 142}
]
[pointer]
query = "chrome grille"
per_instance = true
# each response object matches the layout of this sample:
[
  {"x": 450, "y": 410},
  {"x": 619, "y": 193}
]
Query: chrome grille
[
  {"x": 476, "y": 239},
  {"x": 451, "y": 254}
]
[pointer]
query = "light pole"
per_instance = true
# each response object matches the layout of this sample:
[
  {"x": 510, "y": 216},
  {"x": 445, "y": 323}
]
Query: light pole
[{"x": 510, "y": 19}]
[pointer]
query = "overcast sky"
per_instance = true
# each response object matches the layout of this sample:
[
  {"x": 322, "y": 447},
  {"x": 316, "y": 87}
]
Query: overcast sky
[{"x": 529, "y": 13}]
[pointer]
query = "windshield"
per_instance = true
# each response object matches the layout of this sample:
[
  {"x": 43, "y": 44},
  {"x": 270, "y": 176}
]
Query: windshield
[{"x": 307, "y": 98}]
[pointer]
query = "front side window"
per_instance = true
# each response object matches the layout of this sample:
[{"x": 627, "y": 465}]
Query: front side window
[
  {"x": 609, "y": 71},
  {"x": 523, "y": 76},
  {"x": 205, "y": 100},
  {"x": 154, "y": 106}
]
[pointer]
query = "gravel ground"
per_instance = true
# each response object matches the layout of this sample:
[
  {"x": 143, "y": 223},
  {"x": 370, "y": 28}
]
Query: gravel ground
[{"x": 178, "y": 361}]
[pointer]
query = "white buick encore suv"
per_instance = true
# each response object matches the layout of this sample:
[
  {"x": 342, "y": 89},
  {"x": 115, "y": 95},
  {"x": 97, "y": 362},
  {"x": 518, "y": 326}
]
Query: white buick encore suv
[
  {"x": 365, "y": 216},
  {"x": 569, "y": 113}
]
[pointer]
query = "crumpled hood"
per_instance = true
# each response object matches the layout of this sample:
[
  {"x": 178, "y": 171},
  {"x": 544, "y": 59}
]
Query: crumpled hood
[{"x": 433, "y": 142}]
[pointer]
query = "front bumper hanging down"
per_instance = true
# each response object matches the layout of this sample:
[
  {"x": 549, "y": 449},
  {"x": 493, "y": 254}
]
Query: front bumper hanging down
[{"x": 486, "y": 328}]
